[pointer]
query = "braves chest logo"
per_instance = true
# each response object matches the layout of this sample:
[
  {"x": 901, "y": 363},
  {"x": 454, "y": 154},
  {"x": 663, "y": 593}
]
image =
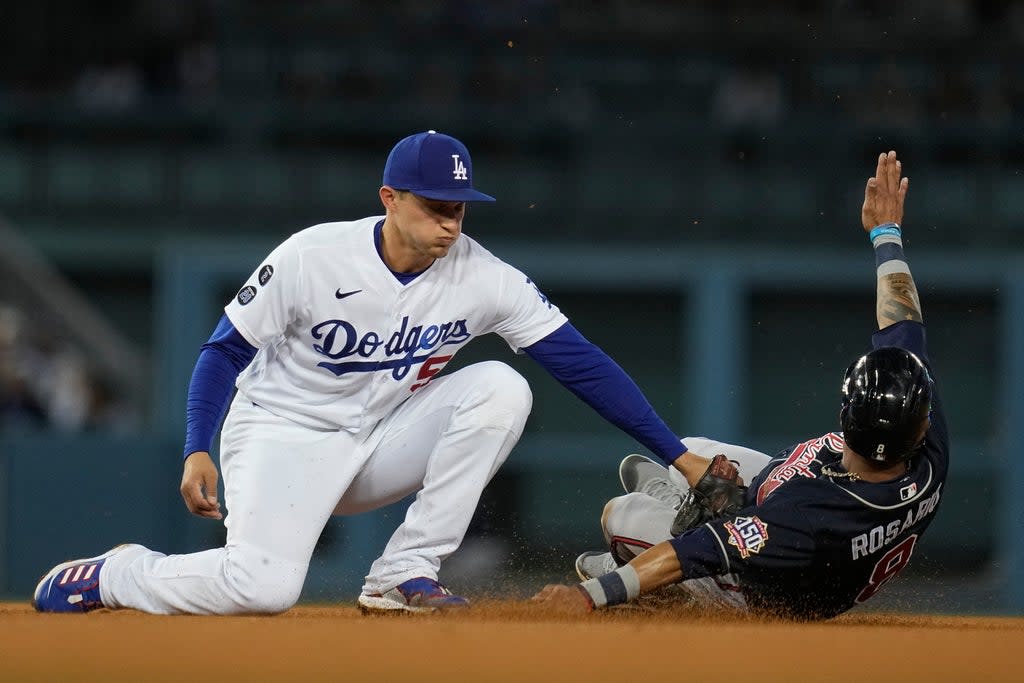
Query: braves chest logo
[
  {"x": 798, "y": 463},
  {"x": 408, "y": 346}
]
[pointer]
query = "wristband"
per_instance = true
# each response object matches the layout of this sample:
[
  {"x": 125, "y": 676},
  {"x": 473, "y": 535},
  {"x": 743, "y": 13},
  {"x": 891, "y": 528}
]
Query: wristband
[
  {"x": 888, "y": 245},
  {"x": 885, "y": 229},
  {"x": 614, "y": 588}
]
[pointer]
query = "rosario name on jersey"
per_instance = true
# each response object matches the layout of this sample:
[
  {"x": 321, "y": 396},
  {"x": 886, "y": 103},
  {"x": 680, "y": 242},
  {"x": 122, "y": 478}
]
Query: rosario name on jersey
[
  {"x": 812, "y": 545},
  {"x": 342, "y": 342}
]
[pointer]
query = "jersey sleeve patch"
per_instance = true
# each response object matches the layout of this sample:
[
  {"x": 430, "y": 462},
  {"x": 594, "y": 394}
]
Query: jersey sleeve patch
[
  {"x": 271, "y": 298},
  {"x": 246, "y": 294},
  {"x": 772, "y": 536},
  {"x": 747, "y": 534}
]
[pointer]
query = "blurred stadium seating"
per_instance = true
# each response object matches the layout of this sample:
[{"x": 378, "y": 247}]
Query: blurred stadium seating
[{"x": 136, "y": 134}]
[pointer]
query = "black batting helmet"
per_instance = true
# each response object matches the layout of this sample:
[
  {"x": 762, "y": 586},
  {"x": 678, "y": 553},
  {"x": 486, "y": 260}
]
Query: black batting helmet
[{"x": 887, "y": 396}]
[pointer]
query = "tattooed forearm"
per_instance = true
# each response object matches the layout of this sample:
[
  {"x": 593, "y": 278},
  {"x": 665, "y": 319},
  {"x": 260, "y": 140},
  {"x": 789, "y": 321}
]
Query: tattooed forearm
[{"x": 897, "y": 300}]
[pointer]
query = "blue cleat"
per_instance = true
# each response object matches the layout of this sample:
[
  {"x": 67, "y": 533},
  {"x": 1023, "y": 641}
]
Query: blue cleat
[
  {"x": 73, "y": 586},
  {"x": 420, "y": 595}
]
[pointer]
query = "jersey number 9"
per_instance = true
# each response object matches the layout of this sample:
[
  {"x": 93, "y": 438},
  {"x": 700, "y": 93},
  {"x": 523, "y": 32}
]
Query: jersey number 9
[{"x": 886, "y": 569}]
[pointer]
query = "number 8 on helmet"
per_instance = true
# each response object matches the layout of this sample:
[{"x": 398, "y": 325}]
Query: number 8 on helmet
[{"x": 886, "y": 403}]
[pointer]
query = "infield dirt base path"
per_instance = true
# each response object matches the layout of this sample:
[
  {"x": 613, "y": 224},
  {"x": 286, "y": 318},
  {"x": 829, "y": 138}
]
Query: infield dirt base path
[{"x": 503, "y": 641}]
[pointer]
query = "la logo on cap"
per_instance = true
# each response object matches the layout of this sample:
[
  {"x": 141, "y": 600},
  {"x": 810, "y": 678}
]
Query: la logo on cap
[{"x": 459, "y": 172}]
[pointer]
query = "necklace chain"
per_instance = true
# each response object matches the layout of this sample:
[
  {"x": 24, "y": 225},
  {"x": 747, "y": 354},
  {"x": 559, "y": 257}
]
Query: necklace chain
[{"x": 829, "y": 472}]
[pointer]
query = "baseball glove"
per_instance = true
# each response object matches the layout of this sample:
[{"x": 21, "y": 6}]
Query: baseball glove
[{"x": 720, "y": 491}]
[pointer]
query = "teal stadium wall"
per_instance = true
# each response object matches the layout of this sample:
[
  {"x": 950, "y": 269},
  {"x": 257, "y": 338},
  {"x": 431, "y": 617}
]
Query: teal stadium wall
[{"x": 742, "y": 345}]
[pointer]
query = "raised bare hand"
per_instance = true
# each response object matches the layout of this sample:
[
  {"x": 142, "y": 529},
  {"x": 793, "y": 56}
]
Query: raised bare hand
[{"x": 884, "y": 193}]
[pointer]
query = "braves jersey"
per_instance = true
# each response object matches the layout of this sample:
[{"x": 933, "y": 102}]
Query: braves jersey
[
  {"x": 811, "y": 544},
  {"x": 342, "y": 342}
]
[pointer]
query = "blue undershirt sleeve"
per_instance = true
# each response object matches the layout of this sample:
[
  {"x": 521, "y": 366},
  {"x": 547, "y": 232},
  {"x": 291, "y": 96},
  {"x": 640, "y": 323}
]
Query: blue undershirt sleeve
[
  {"x": 587, "y": 371},
  {"x": 221, "y": 360}
]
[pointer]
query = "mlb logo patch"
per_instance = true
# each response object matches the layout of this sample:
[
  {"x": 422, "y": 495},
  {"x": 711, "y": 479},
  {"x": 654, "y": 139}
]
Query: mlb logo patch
[
  {"x": 908, "y": 492},
  {"x": 747, "y": 534}
]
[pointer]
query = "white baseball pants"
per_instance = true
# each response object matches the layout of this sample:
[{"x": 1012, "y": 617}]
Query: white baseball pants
[
  {"x": 645, "y": 520},
  {"x": 283, "y": 481}
]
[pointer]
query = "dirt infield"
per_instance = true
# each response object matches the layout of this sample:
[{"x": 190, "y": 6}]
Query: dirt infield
[{"x": 502, "y": 641}]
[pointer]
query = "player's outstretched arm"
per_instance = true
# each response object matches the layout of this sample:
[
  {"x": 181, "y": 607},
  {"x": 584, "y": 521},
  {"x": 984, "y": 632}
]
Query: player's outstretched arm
[
  {"x": 652, "y": 569},
  {"x": 882, "y": 217}
]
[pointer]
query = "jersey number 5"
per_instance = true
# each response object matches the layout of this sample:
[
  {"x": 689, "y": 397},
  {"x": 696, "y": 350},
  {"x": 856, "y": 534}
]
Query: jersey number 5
[
  {"x": 891, "y": 564},
  {"x": 430, "y": 367}
]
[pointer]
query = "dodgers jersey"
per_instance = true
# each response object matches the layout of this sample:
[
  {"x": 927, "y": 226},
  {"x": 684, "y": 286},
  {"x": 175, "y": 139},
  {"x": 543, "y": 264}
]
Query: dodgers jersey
[
  {"x": 341, "y": 342},
  {"x": 812, "y": 545}
]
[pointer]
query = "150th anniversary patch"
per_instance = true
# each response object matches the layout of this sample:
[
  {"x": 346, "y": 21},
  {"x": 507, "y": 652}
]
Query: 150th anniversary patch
[
  {"x": 246, "y": 294},
  {"x": 747, "y": 534}
]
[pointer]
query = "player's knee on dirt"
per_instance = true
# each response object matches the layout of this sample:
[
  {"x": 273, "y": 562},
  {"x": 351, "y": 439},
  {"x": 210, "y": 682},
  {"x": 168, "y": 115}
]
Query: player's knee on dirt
[{"x": 259, "y": 583}]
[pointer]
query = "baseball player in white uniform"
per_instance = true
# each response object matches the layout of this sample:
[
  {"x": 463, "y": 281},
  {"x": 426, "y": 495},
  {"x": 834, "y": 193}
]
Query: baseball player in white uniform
[{"x": 335, "y": 344}]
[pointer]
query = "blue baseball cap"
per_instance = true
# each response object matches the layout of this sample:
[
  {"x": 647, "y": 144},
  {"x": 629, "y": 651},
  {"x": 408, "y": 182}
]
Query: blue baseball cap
[{"x": 435, "y": 166}]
